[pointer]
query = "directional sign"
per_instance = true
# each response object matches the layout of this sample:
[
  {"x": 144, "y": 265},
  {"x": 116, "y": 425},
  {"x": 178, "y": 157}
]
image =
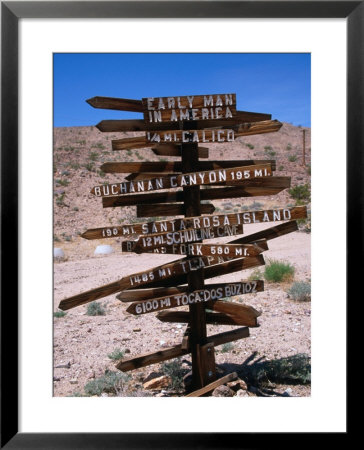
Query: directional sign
[
  {"x": 211, "y": 318},
  {"x": 135, "y": 295},
  {"x": 246, "y": 129},
  {"x": 185, "y": 136},
  {"x": 251, "y": 188},
  {"x": 122, "y": 104},
  {"x": 164, "y": 242},
  {"x": 146, "y": 167},
  {"x": 268, "y": 233},
  {"x": 194, "y": 107},
  {"x": 176, "y": 166},
  {"x": 207, "y": 294},
  {"x": 188, "y": 179},
  {"x": 215, "y": 220},
  {"x": 140, "y": 125},
  {"x": 191, "y": 249},
  {"x": 223, "y": 267},
  {"x": 168, "y": 209},
  {"x": 173, "y": 269},
  {"x": 175, "y": 150}
]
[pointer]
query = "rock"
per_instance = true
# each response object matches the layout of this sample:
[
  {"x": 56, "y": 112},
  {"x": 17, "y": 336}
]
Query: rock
[
  {"x": 287, "y": 392},
  {"x": 56, "y": 379},
  {"x": 74, "y": 381},
  {"x": 58, "y": 253},
  {"x": 237, "y": 385},
  {"x": 64, "y": 366},
  {"x": 151, "y": 376},
  {"x": 242, "y": 393},
  {"x": 158, "y": 383},
  {"x": 103, "y": 250},
  {"x": 127, "y": 350},
  {"x": 137, "y": 329},
  {"x": 223, "y": 391}
]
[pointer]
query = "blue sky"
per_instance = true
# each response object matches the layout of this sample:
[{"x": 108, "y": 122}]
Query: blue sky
[{"x": 278, "y": 84}]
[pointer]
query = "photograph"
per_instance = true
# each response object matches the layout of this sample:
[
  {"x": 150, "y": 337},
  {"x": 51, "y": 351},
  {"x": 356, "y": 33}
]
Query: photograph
[{"x": 182, "y": 224}]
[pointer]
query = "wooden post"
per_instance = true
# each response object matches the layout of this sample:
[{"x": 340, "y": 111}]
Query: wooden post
[
  {"x": 304, "y": 148},
  {"x": 189, "y": 154}
]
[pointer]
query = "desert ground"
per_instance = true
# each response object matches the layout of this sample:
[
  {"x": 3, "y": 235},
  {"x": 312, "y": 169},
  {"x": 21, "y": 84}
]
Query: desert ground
[{"x": 83, "y": 343}]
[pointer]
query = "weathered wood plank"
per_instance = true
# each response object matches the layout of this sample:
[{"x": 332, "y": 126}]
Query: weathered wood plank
[
  {"x": 163, "y": 272},
  {"x": 247, "y": 129},
  {"x": 186, "y": 179},
  {"x": 176, "y": 351},
  {"x": 109, "y": 126},
  {"x": 203, "y": 295},
  {"x": 176, "y": 166},
  {"x": 269, "y": 233},
  {"x": 120, "y": 104},
  {"x": 191, "y": 249},
  {"x": 175, "y": 150},
  {"x": 211, "y": 386},
  {"x": 208, "y": 367},
  {"x": 184, "y": 108},
  {"x": 200, "y": 222},
  {"x": 248, "y": 188},
  {"x": 244, "y": 314},
  {"x": 132, "y": 295},
  {"x": 169, "y": 209},
  {"x": 212, "y": 318},
  {"x": 222, "y": 268},
  {"x": 163, "y": 242},
  {"x": 209, "y": 136}
]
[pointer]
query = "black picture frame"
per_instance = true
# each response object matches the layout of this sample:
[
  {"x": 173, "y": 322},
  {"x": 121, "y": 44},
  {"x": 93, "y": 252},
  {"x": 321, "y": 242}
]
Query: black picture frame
[{"x": 11, "y": 12}]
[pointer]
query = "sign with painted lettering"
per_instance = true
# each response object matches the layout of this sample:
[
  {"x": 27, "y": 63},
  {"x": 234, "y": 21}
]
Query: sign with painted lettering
[
  {"x": 182, "y": 180},
  {"x": 244, "y": 129},
  {"x": 198, "y": 222},
  {"x": 145, "y": 167},
  {"x": 185, "y": 136},
  {"x": 192, "y": 249},
  {"x": 163, "y": 242},
  {"x": 190, "y": 107},
  {"x": 173, "y": 269},
  {"x": 202, "y": 295}
]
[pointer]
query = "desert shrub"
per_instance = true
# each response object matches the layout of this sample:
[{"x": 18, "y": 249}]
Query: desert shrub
[
  {"x": 300, "y": 291},
  {"x": 289, "y": 146},
  {"x": 255, "y": 275},
  {"x": 292, "y": 158},
  {"x": 280, "y": 167},
  {"x": 250, "y": 146},
  {"x": 276, "y": 271},
  {"x": 294, "y": 369},
  {"x": 227, "y": 347},
  {"x": 308, "y": 169},
  {"x": 116, "y": 354},
  {"x": 175, "y": 371},
  {"x": 95, "y": 309},
  {"x": 300, "y": 192},
  {"x": 89, "y": 167},
  {"x": 59, "y": 314},
  {"x": 111, "y": 382},
  {"x": 256, "y": 205},
  {"x": 267, "y": 148},
  {"x": 60, "y": 200},
  {"x": 271, "y": 152}
]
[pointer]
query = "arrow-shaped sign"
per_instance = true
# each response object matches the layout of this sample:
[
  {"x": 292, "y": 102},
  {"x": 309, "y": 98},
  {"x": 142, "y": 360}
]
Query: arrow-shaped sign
[{"x": 182, "y": 180}]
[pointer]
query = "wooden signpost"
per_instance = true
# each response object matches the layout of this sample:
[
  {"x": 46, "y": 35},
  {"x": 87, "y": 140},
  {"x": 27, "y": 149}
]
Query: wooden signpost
[{"x": 175, "y": 126}]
